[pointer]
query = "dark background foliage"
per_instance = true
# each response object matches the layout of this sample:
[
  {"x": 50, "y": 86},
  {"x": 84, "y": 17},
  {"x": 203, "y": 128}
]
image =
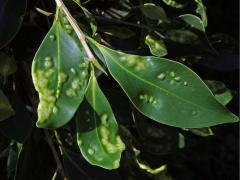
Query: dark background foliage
[{"x": 203, "y": 158}]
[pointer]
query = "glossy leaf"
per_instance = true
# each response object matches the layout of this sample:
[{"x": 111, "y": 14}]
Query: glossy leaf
[
  {"x": 98, "y": 137},
  {"x": 11, "y": 13},
  {"x": 60, "y": 74},
  {"x": 174, "y": 4},
  {"x": 201, "y": 10},
  {"x": 6, "y": 110},
  {"x": 165, "y": 91},
  {"x": 154, "y": 12},
  {"x": 157, "y": 47}
]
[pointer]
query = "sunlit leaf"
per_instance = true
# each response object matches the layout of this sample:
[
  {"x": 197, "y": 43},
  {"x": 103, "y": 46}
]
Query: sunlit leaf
[
  {"x": 98, "y": 137},
  {"x": 165, "y": 91},
  {"x": 60, "y": 74},
  {"x": 6, "y": 110},
  {"x": 157, "y": 47}
]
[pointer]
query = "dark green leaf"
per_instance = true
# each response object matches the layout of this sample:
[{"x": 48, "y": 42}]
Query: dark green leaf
[
  {"x": 221, "y": 92},
  {"x": 98, "y": 138},
  {"x": 156, "y": 46},
  {"x": 120, "y": 32},
  {"x": 6, "y": 110},
  {"x": 60, "y": 74},
  {"x": 154, "y": 12},
  {"x": 11, "y": 13},
  {"x": 35, "y": 161},
  {"x": 165, "y": 91},
  {"x": 7, "y": 65}
]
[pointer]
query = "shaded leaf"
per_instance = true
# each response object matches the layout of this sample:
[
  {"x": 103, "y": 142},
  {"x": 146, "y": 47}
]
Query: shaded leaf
[
  {"x": 165, "y": 91},
  {"x": 77, "y": 168},
  {"x": 7, "y": 65},
  {"x": 120, "y": 32},
  {"x": 6, "y": 110},
  {"x": 11, "y": 13},
  {"x": 98, "y": 139},
  {"x": 19, "y": 126},
  {"x": 204, "y": 132},
  {"x": 221, "y": 92},
  {"x": 59, "y": 74},
  {"x": 157, "y": 47},
  {"x": 35, "y": 161},
  {"x": 154, "y": 12}
]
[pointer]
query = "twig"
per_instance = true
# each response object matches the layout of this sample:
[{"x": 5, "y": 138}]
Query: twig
[
  {"x": 55, "y": 154},
  {"x": 76, "y": 28}
]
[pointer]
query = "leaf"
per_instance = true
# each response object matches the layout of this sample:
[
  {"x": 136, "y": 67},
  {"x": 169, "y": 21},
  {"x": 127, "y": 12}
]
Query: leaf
[
  {"x": 157, "y": 47},
  {"x": 120, "y": 32},
  {"x": 193, "y": 21},
  {"x": 201, "y": 10},
  {"x": 19, "y": 126},
  {"x": 7, "y": 65},
  {"x": 98, "y": 140},
  {"x": 6, "y": 110},
  {"x": 174, "y": 4},
  {"x": 154, "y": 12},
  {"x": 59, "y": 74},
  {"x": 11, "y": 13},
  {"x": 89, "y": 17},
  {"x": 220, "y": 91},
  {"x": 77, "y": 168},
  {"x": 35, "y": 160},
  {"x": 204, "y": 132},
  {"x": 165, "y": 91}
]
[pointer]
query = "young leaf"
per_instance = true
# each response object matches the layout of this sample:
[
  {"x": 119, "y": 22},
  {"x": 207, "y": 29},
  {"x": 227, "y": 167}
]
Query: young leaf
[
  {"x": 165, "y": 91},
  {"x": 98, "y": 140},
  {"x": 59, "y": 74},
  {"x": 157, "y": 47}
]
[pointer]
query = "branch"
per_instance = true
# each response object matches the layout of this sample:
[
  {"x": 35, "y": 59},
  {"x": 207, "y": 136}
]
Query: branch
[
  {"x": 55, "y": 154},
  {"x": 76, "y": 28}
]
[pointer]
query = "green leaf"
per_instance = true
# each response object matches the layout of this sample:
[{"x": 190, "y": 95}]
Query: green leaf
[
  {"x": 201, "y": 10},
  {"x": 204, "y": 132},
  {"x": 154, "y": 12},
  {"x": 7, "y": 65},
  {"x": 165, "y": 91},
  {"x": 157, "y": 47},
  {"x": 89, "y": 17},
  {"x": 11, "y": 13},
  {"x": 6, "y": 110},
  {"x": 120, "y": 32},
  {"x": 59, "y": 74},
  {"x": 193, "y": 21},
  {"x": 98, "y": 138},
  {"x": 174, "y": 4},
  {"x": 221, "y": 92}
]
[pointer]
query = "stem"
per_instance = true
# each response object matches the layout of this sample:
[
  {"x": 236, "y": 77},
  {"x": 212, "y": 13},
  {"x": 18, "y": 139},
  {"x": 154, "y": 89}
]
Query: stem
[
  {"x": 76, "y": 28},
  {"x": 55, "y": 154}
]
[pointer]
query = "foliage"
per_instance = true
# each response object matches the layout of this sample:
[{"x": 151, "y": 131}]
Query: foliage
[{"x": 117, "y": 85}]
